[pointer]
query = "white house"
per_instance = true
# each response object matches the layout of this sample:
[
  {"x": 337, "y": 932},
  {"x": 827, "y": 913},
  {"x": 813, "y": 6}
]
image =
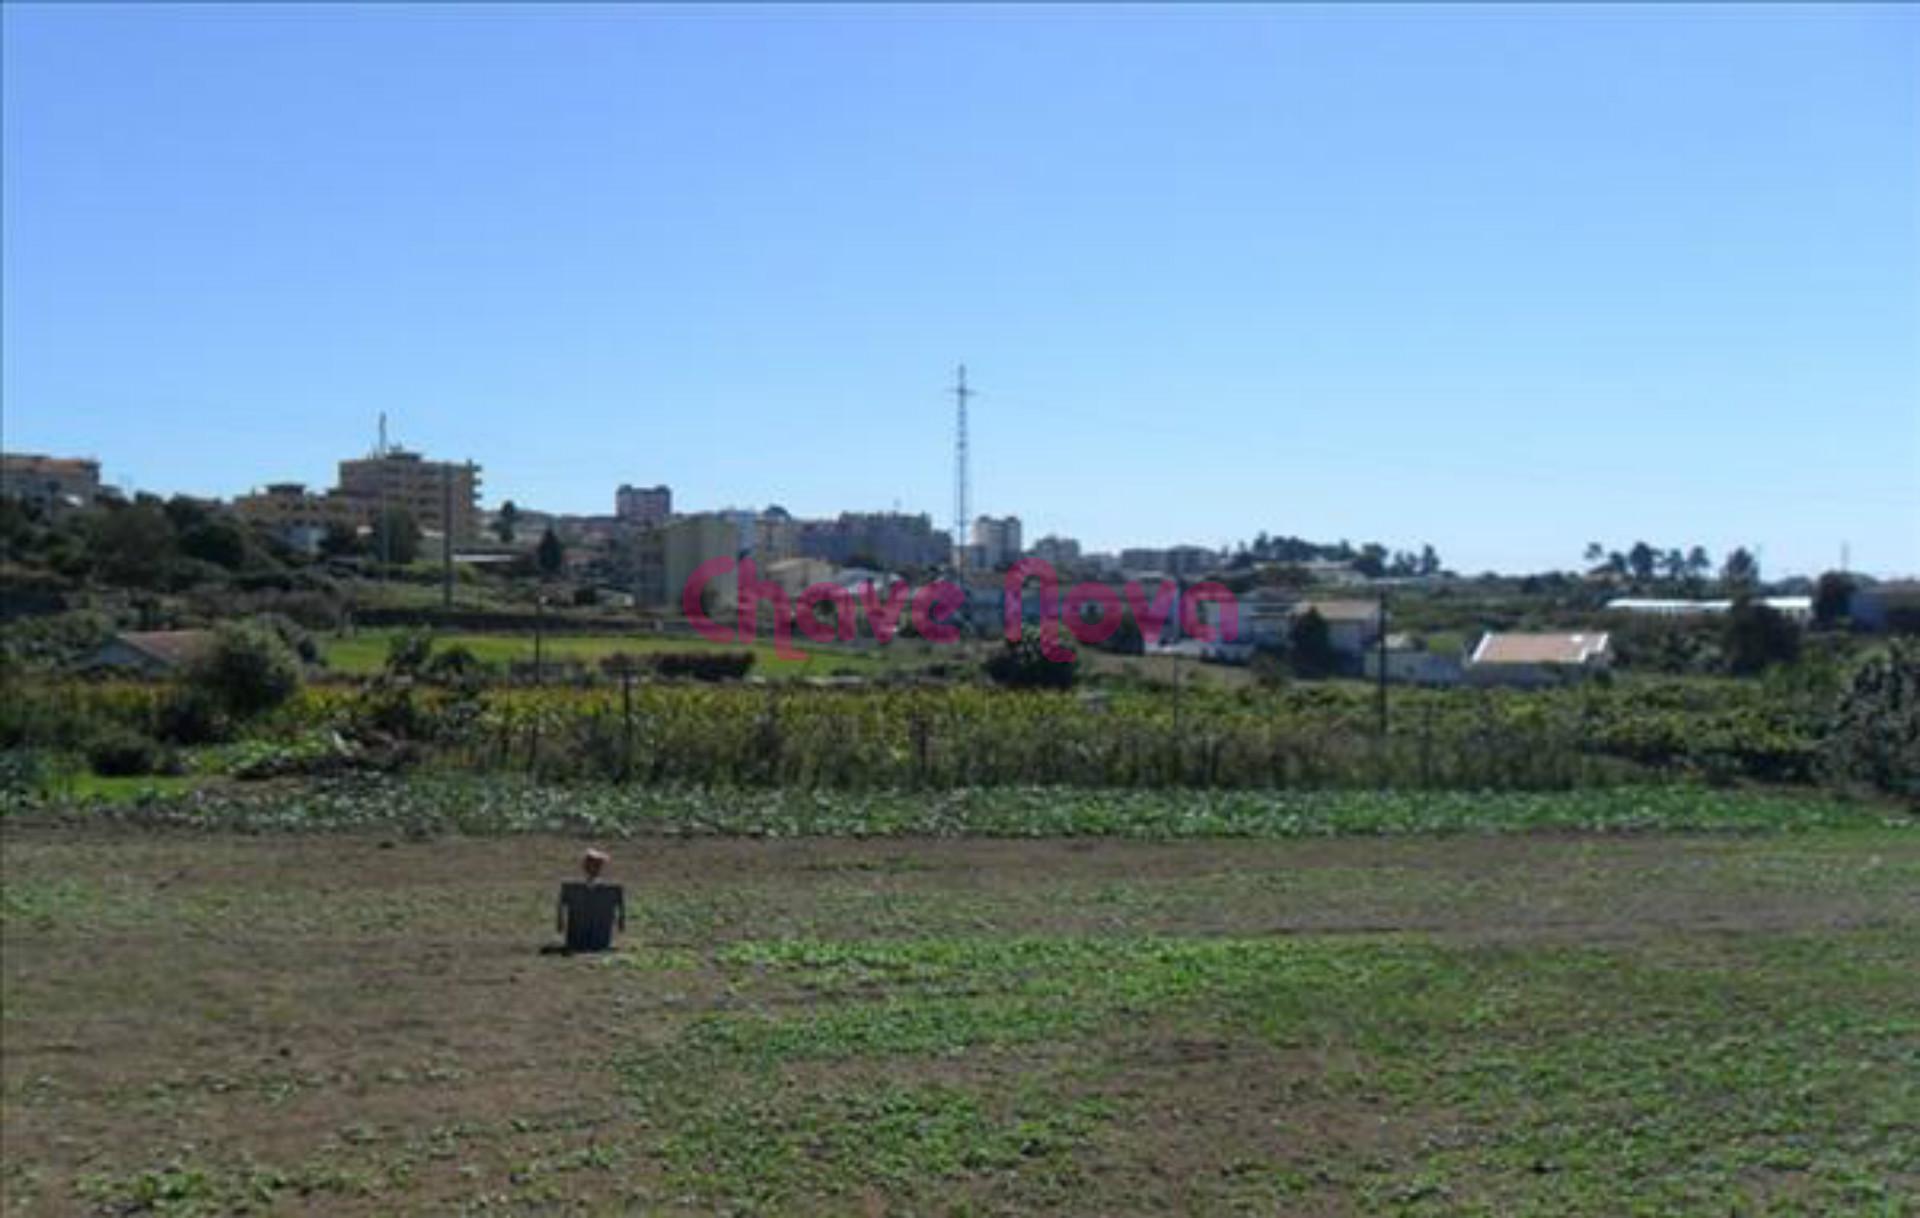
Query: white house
[
  {"x": 1538, "y": 658},
  {"x": 1352, "y": 626},
  {"x": 1799, "y": 608}
]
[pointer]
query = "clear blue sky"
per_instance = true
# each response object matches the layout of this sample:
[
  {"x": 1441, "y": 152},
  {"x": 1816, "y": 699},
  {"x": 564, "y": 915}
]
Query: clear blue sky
[{"x": 1505, "y": 280}]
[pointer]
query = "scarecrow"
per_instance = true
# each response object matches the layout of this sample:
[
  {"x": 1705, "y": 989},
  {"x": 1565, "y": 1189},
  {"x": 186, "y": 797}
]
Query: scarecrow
[{"x": 590, "y": 910}]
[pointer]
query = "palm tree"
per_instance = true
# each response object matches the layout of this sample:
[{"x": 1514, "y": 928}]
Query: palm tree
[
  {"x": 1741, "y": 568},
  {"x": 1674, "y": 565}
]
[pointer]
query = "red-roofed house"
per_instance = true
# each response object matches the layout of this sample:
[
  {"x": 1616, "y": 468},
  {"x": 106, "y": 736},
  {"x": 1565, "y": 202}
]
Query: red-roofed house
[{"x": 156, "y": 653}]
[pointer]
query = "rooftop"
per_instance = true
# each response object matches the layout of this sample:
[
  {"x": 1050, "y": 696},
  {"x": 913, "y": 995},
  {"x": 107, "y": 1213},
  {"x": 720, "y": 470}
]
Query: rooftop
[
  {"x": 170, "y": 646},
  {"x": 1541, "y": 648}
]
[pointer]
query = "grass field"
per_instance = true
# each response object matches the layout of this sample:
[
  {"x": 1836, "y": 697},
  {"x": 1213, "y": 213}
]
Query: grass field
[{"x": 1527, "y": 1023}]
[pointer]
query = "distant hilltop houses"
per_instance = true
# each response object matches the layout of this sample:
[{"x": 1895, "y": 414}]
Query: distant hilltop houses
[
  {"x": 50, "y": 483},
  {"x": 647, "y": 549}
]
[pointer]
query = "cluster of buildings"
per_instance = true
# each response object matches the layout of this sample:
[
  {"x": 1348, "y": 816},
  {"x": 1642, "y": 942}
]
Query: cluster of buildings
[
  {"x": 646, "y": 552},
  {"x": 442, "y": 497},
  {"x": 50, "y": 484}
]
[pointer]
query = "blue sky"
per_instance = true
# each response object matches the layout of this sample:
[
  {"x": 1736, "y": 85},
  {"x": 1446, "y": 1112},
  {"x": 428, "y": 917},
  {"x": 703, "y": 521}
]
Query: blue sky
[{"x": 1505, "y": 279}]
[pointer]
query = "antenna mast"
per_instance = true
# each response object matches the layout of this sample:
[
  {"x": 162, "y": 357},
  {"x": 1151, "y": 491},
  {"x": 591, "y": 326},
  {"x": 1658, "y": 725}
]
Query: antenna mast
[{"x": 962, "y": 482}]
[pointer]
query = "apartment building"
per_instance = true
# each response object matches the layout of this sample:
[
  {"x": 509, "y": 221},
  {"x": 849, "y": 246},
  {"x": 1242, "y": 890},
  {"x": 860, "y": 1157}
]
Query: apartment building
[
  {"x": 643, "y": 504},
  {"x": 398, "y": 478},
  {"x": 996, "y": 542},
  {"x": 889, "y": 540}
]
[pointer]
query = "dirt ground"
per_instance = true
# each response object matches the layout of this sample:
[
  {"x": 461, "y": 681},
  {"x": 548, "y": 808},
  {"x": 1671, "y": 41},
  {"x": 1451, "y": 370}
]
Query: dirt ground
[{"x": 366, "y": 1025}]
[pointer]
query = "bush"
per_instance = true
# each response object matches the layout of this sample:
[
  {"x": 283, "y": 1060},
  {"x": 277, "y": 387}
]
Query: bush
[
  {"x": 191, "y": 716},
  {"x": 409, "y": 651},
  {"x": 21, "y": 770},
  {"x": 455, "y": 665},
  {"x": 1875, "y": 736},
  {"x": 247, "y": 671},
  {"x": 293, "y": 634},
  {"x": 1757, "y": 637},
  {"x": 1023, "y": 665},
  {"x": 1310, "y": 646},
  {"x": 121, "y": 753},
  {"x": 703, "y": 665}
]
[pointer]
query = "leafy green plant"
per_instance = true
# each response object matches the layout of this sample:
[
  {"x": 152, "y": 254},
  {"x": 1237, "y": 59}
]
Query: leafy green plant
[
  {"x": 246, "y": 671},
  {"x": 1875, "y": 734},
  {"x": 121, "y": 752}
]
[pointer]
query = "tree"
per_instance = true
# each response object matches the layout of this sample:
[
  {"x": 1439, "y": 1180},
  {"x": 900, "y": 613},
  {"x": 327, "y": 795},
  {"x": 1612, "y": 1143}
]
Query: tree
[
  {"x": 1832, "y": 598},
  {"x": 220, "y": 542},
  {"x": 1757, "y": 637},
  {"x": 1595, "y": 554},
  {"x": 505, "y": 521},
  {"x": 1640, "y": 560},
  {"x": 551, "y": 555},
  {"x": 1429, "y": 560},
  {"x": 133, "y": 544},
  {"x": 1699, "y": 562},
  {"x": 1372, "y": 561},
  {"x": 340, "y": 540},
  {"x": 1310, "y": 646},
  {"x": 1673, "y": 565},
  {"x": 396, "y": 537},
  {"x": 246, "y": 671},
  {"x": 1741, "y": 569},
  {"x": 185, "y": 513}
]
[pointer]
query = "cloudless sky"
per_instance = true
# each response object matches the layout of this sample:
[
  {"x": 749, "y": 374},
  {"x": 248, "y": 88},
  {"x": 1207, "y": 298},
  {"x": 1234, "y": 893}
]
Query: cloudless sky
[{"x": 1506, "y": 280}]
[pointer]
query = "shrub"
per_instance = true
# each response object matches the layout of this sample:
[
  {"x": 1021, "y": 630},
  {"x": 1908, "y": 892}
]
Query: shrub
[
  {"x": 120, "y": 753},
  {"x": 293, "y": 634},
  {"x": 1023, "y": 665},
  {"x": 455, "y": 665},
  {"x": 409, "y": 651},
  {"x": 1874, "y": 737},
  {"x": 191, "y": 716},
  {"x": 703, "y": 665},
  {"x": 1757, "y": 637},
  {"x": 21, "y": 770},
  {"x": 248, "y": 670},
  {"x": 1310, "y": 646}
]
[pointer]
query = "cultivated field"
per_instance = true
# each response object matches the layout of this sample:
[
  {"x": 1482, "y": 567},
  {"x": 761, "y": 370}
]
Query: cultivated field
[
  {"x": 360, "y": 1022},
  {"x": 365, "y": 651}
]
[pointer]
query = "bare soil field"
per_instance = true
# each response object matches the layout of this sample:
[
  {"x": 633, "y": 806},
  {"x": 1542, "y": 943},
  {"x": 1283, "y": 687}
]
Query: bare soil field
[{"x": 365, "y": 1025}]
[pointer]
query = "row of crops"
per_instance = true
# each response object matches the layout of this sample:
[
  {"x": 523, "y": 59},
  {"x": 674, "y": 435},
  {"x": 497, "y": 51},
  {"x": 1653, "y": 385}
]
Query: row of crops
[
  {"x": 427, "y": 805},
  {"x": 948, "y": 737}
]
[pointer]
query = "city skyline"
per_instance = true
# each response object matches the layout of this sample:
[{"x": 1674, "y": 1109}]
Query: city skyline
[{"x": 1504, "y": 282}]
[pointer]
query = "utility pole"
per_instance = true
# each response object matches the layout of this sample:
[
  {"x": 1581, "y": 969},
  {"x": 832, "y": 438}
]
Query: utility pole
[
  {"x": 1381, "y": 652},
  {"x": 962, "y": 480},
  {"x": 446, "y": 535},
  {"x": 539, "y": 627},
  {"x": 380, "y": 452}
]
